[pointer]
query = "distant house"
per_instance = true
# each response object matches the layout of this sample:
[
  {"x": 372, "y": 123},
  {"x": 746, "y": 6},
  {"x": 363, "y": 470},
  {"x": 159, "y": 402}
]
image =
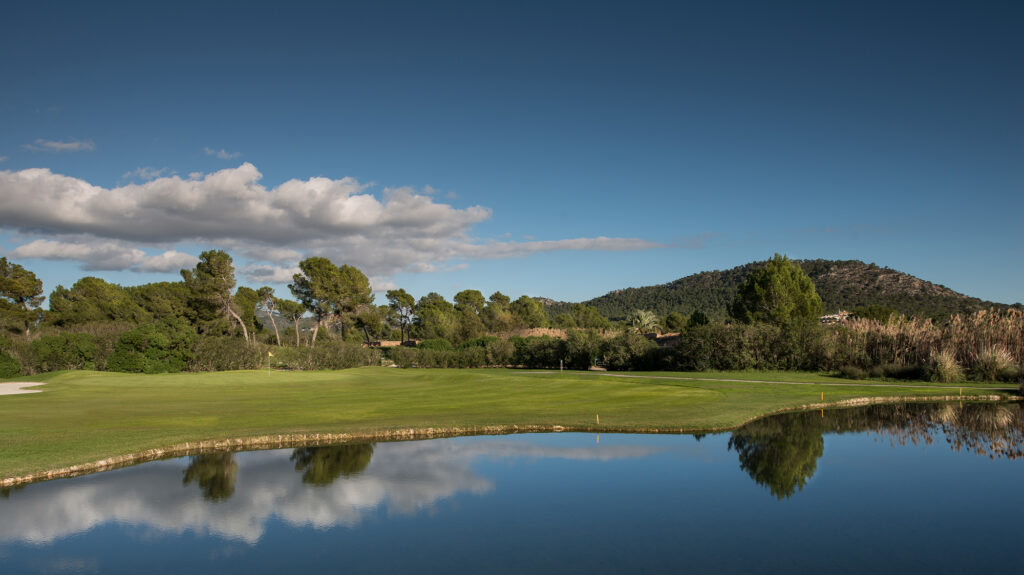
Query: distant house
[{"x": 837, "y": 317}]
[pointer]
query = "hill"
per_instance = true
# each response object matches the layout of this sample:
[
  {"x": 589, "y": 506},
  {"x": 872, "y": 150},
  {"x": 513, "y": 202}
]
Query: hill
[{"x": 842, "y": 285}]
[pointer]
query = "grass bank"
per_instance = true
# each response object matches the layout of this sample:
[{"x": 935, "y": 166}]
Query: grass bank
[{"x": 83, "y": 416}]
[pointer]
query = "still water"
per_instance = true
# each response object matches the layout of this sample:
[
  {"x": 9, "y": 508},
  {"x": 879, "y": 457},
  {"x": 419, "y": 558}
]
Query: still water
[{"x": 897, "y": 489}]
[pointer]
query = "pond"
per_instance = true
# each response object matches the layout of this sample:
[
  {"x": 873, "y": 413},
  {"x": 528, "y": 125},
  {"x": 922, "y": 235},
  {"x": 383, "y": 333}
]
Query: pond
[{"x": 896, "y": 488}]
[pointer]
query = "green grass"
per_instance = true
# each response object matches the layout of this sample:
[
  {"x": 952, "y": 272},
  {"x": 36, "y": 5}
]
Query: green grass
[{"x": 85, "y": 416}]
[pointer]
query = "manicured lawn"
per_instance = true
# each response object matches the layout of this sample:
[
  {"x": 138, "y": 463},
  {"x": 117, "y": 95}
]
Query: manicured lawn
[{"x": 86, "y": 416}]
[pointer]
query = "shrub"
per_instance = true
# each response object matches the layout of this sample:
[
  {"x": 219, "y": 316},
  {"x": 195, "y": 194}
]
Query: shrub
[
  {"x": 63, "y": 351},
  {"x": 944, "y": 367},
  {"x": 907, "y": 372},
  {"x": 989, "y": 361},
  {"x": 163, "y": 347},
  {"x": 436, "y": 343},
  {"x": 852, "y": 372},
  {"x": 629, "y": 351},
  {"x": 329, "y": 354},
  {"x": 223, "y": 353},
  {"x": 538, "y": 352},
  {"x": 581, "y": 347},
  {"x": 9, "y": 366}
]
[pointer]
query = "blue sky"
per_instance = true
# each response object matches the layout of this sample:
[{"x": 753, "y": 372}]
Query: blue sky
[{"x": 553, "y": 149}]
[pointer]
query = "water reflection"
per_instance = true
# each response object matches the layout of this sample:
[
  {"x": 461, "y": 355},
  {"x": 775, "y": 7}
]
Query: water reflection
[
  {"x": 782, "y": 452},
  {"x": 339, "y": 486},
  {"x": 237, "y": 496},
  {"x": 322, "y": 465},
  {"x": 215, "y": 473}
]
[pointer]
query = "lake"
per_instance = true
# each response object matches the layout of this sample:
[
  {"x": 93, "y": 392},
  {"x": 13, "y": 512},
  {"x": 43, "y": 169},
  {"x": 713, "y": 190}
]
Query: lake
[{"x": 894, "y": 488}]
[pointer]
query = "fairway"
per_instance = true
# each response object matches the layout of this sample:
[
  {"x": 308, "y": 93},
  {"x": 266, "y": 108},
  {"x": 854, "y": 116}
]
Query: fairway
[{"x": 80, "y": 417}]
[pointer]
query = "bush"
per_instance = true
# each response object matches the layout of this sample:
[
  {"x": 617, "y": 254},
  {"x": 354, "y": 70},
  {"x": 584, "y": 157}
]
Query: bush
[
  {"x": 630, "y": 351},
  {"x": 538, "y": 352},
  {"x": 9, "y": 366},
  {"x": 63, "y": 351},
  {"x": 852, "y": 372},
  {"x": 906, "y": 372},
  {"x": 990, "y": 361},
  {"x": 163, "y": 347},
  {"x": 436, "y": 343},
  {"x": 224, "y": 353},
  {"x": 329, "y": 354},
  {"x": 944, "y": 367},
  {"x": 581, "y": 347}
]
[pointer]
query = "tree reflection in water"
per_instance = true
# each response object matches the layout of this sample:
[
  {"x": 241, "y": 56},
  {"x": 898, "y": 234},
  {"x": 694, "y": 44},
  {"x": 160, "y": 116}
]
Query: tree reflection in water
[
  {"x": 215, "y": 473},
  {"x": 322, "y": 465},
  {"x": 781, "y": 452}
]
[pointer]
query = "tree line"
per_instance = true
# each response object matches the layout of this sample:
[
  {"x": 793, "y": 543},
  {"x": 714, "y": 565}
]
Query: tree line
[{"x": 206, "y": 322}]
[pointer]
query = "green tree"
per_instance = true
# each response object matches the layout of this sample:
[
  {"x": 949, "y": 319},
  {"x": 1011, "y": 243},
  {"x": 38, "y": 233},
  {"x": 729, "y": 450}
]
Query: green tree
[
  {"x": 529, "y": 312},
  {"x": 697, "y": 318},
  {"x": 268, "y": 304},
  {"x": 403, "y": 307},
  {"x": 470, "y": 300},
  {"x": 675, "y": 321},
  {"x": 588, "y": 317},
  {"x": 245, "y": 303},
  {"x": 334, "y": 295},
  {"x": 643, "y": 321},
  {"x": 162, "y": 300},
  {"x": 293, "y": 311},
  {"x": 355, "y": 298},
  {"x": 436, "y": 318},
  {"x": 496, "y": 314},
  {"x": 778, "y": 293},
  {"x": 91, "y": 299},
  {"x": 210, "y": 287},
  {"x": 317, "y": 288},
  {"x": 21, "y": 294}
]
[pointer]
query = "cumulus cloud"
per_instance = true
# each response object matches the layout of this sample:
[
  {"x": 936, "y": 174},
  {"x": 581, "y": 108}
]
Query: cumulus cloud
[
  {"x": 41, "y": 145},
  {"x": 221, "y": 154},
  {"x": 146, "y": 173},
  {"x": 104, "y": 255},
  {"x": 269, "y": 274},
  {"x": 396, "y": 230}
]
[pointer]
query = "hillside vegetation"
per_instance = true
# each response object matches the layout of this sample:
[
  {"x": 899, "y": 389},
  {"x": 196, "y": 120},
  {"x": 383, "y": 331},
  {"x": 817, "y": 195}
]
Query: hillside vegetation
[{"x": 845, "y": 285}]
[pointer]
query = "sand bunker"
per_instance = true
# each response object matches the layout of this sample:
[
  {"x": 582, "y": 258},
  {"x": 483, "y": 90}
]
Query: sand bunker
[{"x": 19, "y": 387}]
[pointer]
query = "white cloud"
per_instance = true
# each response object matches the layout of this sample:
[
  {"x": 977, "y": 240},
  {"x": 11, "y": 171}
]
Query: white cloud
[
  {"x": 146, "y": 173},
  {"x": 381, "y": 285},
  {"x": 404, "y": 478},
  {"x": 169, "y": 261},
  {"x": 269, "y": 274},
  {"x": 41, "y": 145},
  {"x": 104, "y": 255},
  {"x": 396, "y": 230},
  {"x": 222, "y": 154}
]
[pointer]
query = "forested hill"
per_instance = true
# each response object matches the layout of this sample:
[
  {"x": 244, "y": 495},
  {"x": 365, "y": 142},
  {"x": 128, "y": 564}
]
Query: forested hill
[{"x": 841, "y": 284}]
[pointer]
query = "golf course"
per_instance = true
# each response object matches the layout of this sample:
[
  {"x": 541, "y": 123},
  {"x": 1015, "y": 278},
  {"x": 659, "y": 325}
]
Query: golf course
[{"x": 81, "y": 421}]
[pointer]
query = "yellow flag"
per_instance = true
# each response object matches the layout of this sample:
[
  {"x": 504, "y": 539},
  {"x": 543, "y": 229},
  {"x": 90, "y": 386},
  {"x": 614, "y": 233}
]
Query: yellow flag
[{"x": 270, "y": 354}]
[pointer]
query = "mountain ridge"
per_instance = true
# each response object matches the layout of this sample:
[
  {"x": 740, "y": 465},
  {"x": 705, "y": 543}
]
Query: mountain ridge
[{"x": 842, "y": 284}]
